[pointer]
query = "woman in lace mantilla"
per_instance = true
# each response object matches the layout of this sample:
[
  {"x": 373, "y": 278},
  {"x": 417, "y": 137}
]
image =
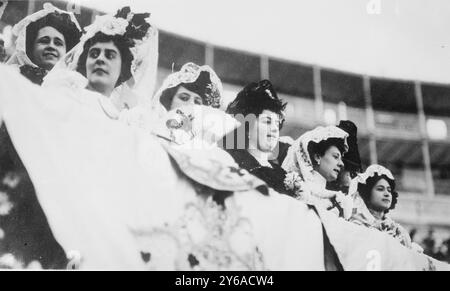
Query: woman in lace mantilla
[
  {"x": 313, "y": 160},
  {"x": 374, "y": 198}
]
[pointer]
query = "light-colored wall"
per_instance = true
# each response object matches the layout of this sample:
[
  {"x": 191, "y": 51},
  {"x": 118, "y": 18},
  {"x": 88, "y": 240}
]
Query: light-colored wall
[{"x": 416, "y": 209}]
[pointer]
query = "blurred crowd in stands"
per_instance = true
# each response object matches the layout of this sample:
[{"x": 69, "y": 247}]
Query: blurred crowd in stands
[{"x": 432, "y": 245}]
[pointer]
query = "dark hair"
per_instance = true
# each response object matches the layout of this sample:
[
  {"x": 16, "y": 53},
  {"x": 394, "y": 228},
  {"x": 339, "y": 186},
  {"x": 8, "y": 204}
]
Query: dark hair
[
  {"x": 365, "y": 190},
  {"x": 59, "y": 21},
  {"x": 123, "y": 45},
  {"x": 200, "y": 87},
  {"x": 321, "y": 147},
  {"x": 6, "y": 164},
  {"x": 255, "y": 98},
  {"x": 8, "y": 155}
]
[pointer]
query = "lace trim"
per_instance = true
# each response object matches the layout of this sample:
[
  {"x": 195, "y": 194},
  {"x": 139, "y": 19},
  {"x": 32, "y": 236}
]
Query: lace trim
[
  {"x": 298, "y": 158},
  {"x": 370, "y": 172},
  {"x": 189, "y": 73},
  {"x": 20, "y": 29}
]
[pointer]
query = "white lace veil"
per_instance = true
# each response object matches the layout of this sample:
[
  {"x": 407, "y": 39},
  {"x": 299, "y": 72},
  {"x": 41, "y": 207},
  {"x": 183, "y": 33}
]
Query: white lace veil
[
  {"x": 361, "y": 212},
  {"x": 298, "y": 159},
  {"x": 189, "y": 73},
  {"x": 370, "y": 172},
  {"x": 19, "y": 31},
  {"x": 139, "y": 88}
]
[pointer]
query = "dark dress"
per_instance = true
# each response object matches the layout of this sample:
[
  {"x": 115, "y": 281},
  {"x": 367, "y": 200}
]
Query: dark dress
[
  {"x": 282, "y": 153},
  {"x": 34, "y": 74},
  {"x": 25, "y": 232},
  {"x": 274, "y": 177}
]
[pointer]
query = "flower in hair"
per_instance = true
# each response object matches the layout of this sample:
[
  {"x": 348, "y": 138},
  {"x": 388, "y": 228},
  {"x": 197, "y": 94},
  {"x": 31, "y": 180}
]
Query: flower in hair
[{"x": 112, "y": 26}]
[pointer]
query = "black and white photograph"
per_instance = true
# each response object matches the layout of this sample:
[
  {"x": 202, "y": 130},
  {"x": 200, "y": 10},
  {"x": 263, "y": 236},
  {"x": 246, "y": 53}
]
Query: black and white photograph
[{"x": 213, "y": 135}]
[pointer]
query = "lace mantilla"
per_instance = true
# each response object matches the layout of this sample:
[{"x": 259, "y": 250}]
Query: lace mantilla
[
  {"x": 143, "y": 41},
  {"x": 19, "y": 30},
  {"x": 113, "y": 25},
  {"x": 298, "y": 159},
  {"x": 189, "y": 73},
  {"x": 371, "y": 171}
]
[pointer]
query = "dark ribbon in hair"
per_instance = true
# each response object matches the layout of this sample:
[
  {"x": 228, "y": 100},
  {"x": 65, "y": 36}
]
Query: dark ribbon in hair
[{"x": 137, "y": 27}]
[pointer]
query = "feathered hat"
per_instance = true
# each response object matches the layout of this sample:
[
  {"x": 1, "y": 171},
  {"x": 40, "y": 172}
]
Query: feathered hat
[{"x": 255, "y": 98}]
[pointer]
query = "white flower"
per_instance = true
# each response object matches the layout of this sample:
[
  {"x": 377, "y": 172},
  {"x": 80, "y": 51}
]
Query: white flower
[
  {"x": 74, "y": 259},
  {"x": 11, "y": 180},
  {"x": 292, "y": 180},
  {"x": 10, "y": 262},
  {"x": 34, "y": 265},
  {"x": 107, "y": 24},
  {"x": 130, "y": 16},
  {"x": 5, "y": 204},
  {"x": 114, "y": 26}
]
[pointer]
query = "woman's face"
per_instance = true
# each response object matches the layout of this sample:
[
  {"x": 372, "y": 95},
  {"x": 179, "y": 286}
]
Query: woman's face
[
  {"x": 103, "y": 67},
  {"x": 264, "y": 132},
  {"x": 381, "y": 196},
  {"x": 48, "y": 48},
  {"x": 185, "y": 97},
  {"x": 330, "y": 164}
]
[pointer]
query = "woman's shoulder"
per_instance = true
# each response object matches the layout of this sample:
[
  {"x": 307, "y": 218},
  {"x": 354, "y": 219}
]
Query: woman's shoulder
[
  {"x": 65, "y": 78},
  {"x": 244, "y": 159}
]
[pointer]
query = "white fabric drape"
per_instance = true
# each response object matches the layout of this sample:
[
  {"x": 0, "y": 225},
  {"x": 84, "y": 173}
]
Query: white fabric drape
[{"x": 99, "y": 182}]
